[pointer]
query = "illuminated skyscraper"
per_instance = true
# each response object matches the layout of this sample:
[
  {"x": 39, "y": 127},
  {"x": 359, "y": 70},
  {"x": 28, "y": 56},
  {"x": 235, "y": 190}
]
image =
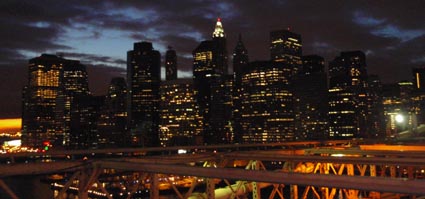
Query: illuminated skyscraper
[
  {"x": 286, "y": 47},
  {"x": 209, "y": 69},
  {"x": 170, "y": 64},
  {"x": 53, "y": 86},
  {"x": 181, "y": 123},
  {"x": 311, "y": 105},
  {"x": 42, "y": 117},
  {"x": 75, "y": 84},
  {"x": 220, "y": 49},
  {"x": 240, "y": 62},
  {"x": 347, "y": 96},
  {"x": 266, "y": 103},
  {"x": 203, "y": 76},
  {"x": 143, "y": 76}
]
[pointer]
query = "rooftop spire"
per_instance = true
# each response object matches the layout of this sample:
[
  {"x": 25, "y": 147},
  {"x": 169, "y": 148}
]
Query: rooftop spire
[{"x": 218, "y": 31}]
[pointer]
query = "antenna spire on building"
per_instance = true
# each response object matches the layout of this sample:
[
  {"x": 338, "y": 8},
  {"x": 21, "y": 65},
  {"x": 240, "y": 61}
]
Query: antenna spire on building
[{"x": 218, "y": 31}]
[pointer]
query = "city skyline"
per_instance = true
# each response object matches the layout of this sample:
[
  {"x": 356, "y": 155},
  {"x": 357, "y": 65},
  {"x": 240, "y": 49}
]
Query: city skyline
[{"x": 100, "y": 34}]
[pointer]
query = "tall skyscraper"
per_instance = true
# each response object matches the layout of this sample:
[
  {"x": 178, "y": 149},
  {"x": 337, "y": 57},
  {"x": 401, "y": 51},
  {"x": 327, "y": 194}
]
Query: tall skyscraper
[
  {"x": 286, "y": 47},
  {"x": 181, "y": 123},
  {"x": 220, "y": 48},
  {"x": 112, "y": 125},
  {"x": 53, "y": 84},
  {"x": 311, "y": 105},
  {"x": 203, "y": 73},
  {"x": 143, "y": 76},
  {"x": 347, "y": 96},
  {"x": 209, "y": 69},
  {"x": 43, "y": 101},
  {"x": 266, "y": 103},
  {"x": 170, "y": 64},
  {"x": 240, "y": 62},
  {"x": 75, "y": 84}
]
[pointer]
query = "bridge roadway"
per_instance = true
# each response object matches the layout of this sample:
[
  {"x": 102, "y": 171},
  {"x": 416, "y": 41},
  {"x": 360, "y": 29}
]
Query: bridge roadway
[{"x": 399, "y": 156}]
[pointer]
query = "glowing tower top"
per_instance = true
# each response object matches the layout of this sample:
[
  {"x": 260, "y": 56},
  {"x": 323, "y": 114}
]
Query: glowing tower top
[{"x": 218, "y": 31}]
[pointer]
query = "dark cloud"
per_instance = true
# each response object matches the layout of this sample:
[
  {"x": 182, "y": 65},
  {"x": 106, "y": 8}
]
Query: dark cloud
[
  {"x": 13, "y": 79},
  {"x": 92, "y": 59}
]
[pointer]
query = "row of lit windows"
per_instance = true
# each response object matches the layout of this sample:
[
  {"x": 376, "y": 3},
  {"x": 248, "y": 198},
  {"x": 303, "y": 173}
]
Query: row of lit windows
[
  {"x": 341, "y": 112},
  {"x": 41, "y": 78},
  {"x": 46, "y": 93},
  {"x": 203, "y": 56}
]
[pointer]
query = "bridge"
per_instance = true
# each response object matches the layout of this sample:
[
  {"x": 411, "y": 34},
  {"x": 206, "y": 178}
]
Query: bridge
[{"x": 323, "y": 170}]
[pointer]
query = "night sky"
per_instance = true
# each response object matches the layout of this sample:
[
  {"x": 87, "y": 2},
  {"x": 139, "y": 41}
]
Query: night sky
[{"x": 99, "y": 33}]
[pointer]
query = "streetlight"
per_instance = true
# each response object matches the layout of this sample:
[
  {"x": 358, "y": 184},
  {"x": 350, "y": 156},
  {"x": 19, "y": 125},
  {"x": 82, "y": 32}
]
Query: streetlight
[{"x": 399, "y": 118}]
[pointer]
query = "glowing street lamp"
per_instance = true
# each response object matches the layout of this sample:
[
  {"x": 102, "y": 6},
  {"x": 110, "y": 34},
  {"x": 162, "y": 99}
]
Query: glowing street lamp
[{"x": 399, "y": 118}]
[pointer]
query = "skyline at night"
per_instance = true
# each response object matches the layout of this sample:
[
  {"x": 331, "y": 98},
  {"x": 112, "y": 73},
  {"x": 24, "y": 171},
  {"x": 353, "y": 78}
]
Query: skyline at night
[{"x": 99, "y": 33}]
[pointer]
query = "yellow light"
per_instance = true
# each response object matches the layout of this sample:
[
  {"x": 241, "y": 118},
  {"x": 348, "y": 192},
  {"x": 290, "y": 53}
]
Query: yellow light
[
  {"x": 399, "y": 118},
  {"x": 418, "y": 83}
]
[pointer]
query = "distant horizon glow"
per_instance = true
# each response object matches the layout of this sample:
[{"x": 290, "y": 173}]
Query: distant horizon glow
[{"x": 9, "y": 124}]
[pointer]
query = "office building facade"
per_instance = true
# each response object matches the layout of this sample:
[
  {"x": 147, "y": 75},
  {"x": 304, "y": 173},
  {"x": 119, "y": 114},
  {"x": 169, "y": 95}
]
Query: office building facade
[
  {"x": 311, "y": 99},
  {"x": 286, "y": 47},
  {"x": 266, "y": 103},
  {"x": 347, "y": 96},
  {"x": 209, "y": 70},
  {"x": 112, "y": 124},
  {"x": 143, "y": 76},
  {"x": 181, "y": 122},
  {"x": 240, "y": 62},
  {"x": 43, "y": 102}
]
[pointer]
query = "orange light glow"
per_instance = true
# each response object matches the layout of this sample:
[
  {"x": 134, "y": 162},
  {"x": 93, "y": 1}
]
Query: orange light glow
[
  {"x": 9, "y": 124},
  {"x": 383, "y": 147}
]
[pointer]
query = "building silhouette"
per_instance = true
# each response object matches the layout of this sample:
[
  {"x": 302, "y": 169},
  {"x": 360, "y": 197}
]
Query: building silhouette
[
  {"x": 85, "y": 114},
  {"x": 112, "y": 124},
  {"x": 347, "y": 96},
  {"x": 266, "y": 103},
  {"x": 170, "y": 64},
  {"x": 375, "y": 127},
  {"x": 240, "y": 62},
  {"x": 209, "y": 70},
  {"x": 143, "y": 76},
  {"x": 311, "y": 104}
]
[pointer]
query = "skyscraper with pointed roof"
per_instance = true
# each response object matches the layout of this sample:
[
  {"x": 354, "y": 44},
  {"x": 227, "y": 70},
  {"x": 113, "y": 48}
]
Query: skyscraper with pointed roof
[
  {"x": 219, "y": 39},
  {"x": 209, "y": 70},
  {"x": 218, "y": 31}
]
